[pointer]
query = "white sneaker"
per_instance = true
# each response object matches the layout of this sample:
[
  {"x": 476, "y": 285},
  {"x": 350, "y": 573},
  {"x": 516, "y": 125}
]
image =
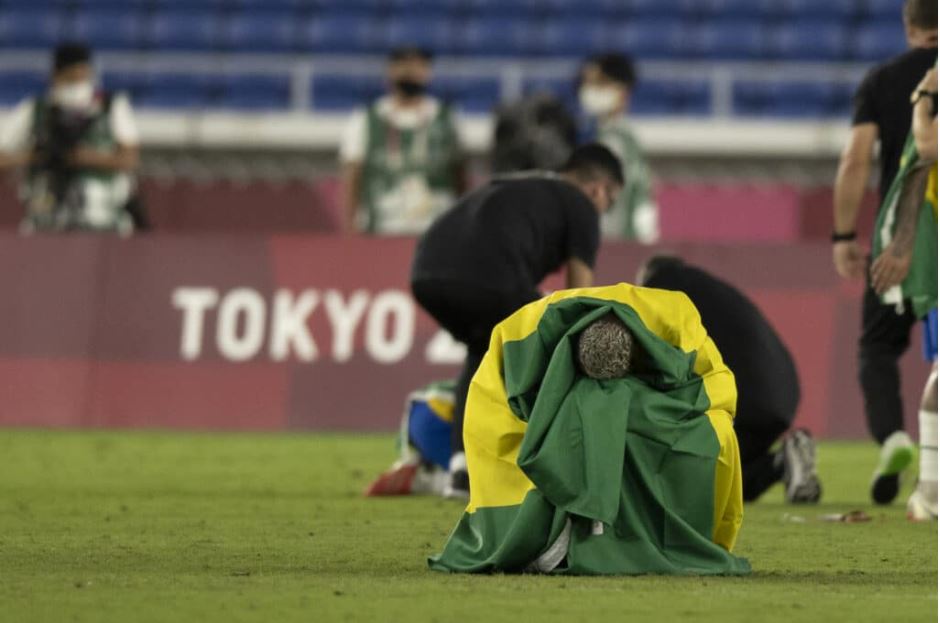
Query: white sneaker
[
  {"x": 458, "y": 487},
  {"x": 919, "y": 508}
]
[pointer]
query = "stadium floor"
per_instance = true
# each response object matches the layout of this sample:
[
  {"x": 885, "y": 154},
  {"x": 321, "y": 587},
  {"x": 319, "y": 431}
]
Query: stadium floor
[{"x": 117, "y": 526}]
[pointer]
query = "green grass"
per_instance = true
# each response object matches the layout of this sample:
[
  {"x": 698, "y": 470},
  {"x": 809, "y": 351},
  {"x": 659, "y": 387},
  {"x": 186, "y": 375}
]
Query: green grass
[{"x": 136, "y": 527}]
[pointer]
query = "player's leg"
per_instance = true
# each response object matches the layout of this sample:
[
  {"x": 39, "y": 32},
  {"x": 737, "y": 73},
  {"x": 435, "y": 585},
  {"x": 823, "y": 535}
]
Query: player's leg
[
  {"x": 885, "y": 337},
  {"x": 922, "y": 504}
]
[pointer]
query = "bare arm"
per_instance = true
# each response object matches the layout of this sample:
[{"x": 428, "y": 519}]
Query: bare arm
[
  {"x": 579, "y": 274},
  {"x": 851, "y": 180},
  {"x": 14, "y": 160},
  {"x": 123, "y": 158},
  {"x": 352, "y": 180},
  {"x": 891, "y": 267}
]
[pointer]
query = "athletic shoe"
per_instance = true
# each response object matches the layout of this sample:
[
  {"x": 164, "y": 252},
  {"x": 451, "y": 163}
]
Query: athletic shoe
[
  {"x": 801, "y": 485},
  {"x": 897, "y": 453},
  {"x": 395, "y": 481},
  {"x": 919, "y": 508},
  {"x": 459, "y": 486}
]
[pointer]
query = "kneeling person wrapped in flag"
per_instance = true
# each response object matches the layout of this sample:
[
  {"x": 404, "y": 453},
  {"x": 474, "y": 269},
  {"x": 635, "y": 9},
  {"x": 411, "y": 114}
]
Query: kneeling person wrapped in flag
[{"x": 599, "y": 440}]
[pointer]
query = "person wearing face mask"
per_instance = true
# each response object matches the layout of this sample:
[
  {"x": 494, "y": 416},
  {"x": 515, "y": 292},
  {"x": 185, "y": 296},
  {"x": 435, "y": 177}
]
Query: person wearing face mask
[
  {"x": 401, "y": 157},
  {"x": 485, "y": 257},
  {"x": 606, "y": 83},
  {"x": 78, "y": 146}
]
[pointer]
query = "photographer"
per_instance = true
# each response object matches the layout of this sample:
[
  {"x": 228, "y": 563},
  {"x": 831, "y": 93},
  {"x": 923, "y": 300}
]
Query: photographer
[{"x": 78, "y": 146}]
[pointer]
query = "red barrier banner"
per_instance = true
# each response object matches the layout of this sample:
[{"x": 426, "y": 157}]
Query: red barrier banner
[{"x": 321, "y": 332}]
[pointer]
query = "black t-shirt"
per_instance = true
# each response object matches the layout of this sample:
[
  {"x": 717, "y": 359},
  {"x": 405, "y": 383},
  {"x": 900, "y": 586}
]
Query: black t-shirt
[
  {"x": 883, "y": 98},
  {"x": 510, "y": 234},
  {"x": 766, "y": 378}
]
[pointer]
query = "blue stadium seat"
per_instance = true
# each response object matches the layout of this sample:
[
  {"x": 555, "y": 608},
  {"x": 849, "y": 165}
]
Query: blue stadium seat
[
  {"x": 184, "y": 30},
  {"x": 340, "y": 92},
  {"x": 809, "y": 40},
  {"x": 728, "y": 9},
  {"x": 178, "y": 91},
  {"x": 657, "y": 97},
  {"x": 134, "y": 84},
  {"x": 794, "y": 9},
  {"x": 652, "y": 38},
  {"x": 260, "y": 31},
  {"x": 255, "y": 92},
  {"x": 781, "y": 99},
  {"x": 661, "y": 8},
  {"x": 29, "y": 28},
  {"x": 610, "y": 9},
  {"x": 885, "y": 10},
  {"x": 499, "y": 37},
  {"x": 736, "y": 39},
  {"x": 109, "y": 29},
  {"x": 16, "y": 86},
  {"x": 875, "y": 41},
  {"x": 841, "y": 102},
  {"x": 501, "y": 8},
  {"x": 434, "y": 32},
  {"x": 470, "y": 95},
  {"x": 340, "y": 33},
  {"x": 573, "y": 37}
]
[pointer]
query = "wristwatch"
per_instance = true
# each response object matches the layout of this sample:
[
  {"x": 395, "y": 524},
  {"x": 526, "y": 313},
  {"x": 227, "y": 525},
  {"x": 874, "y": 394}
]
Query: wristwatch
[{"x": 846, "y": 237}]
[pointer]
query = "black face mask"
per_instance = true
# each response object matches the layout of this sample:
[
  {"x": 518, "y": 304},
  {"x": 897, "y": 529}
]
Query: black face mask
[{"x": 409, "y": 87}]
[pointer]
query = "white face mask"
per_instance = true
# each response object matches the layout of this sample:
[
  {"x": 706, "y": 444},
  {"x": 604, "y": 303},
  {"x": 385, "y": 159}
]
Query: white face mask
[
  {"x": 599, "y": 101},
  {"x": 77, "y": 95}
]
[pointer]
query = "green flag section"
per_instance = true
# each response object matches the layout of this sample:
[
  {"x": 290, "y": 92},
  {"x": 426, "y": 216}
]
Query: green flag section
[
  {"x": 920, "y": 285},
  {"x": 575, "y": 475}
]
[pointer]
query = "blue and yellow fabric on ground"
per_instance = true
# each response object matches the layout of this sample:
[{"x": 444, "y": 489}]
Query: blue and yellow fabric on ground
[{"x": 639, "y": 475}]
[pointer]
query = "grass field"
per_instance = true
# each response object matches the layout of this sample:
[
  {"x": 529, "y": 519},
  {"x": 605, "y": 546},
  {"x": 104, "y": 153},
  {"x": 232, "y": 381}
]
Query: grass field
[{"x": 131, "y": 527}]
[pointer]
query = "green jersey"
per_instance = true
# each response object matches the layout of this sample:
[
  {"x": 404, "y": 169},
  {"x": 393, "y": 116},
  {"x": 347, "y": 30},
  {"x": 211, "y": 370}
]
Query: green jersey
[
  {"x": 409, "y": 170},
  {"x": 634, "y": 215}
]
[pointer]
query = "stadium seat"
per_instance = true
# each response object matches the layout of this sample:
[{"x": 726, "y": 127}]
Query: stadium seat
[
  {"x": 809, "y": 40},
  {"x": 255, "y": 92},
  {"x": 876, "y": 41},
  {"x": 469, "y": 95},
  {"x": 652, "y": 38},
  {"x": 341, "y": 93},
  {"x": 184, "y": 30},
  {"x": 178, "y": 91},
  {"x": 885, "y": 10},
  {"x": 109, "y": 29},
  {"x": 340, "y": 33},
  {"x": 795, "y": 9},
  {"x": 658, "y": 97},
  {"x": 781, "y": 99},
  {"x": 530, "y": 9},
  {"x": 16, "y": 86},
  {"x": 733, "y": 39},
  {"x": 29, "y": 28},
  {"x": 661, "y": 8},
  {"x": 134, "y": 84},
  {"x": 435, "y": 32},
  {"x": 498, "y": 37},
  {"x": 257, "y": 31},
  {"x": 573, "y": 37},
  {"x": 728, "y": 9}
]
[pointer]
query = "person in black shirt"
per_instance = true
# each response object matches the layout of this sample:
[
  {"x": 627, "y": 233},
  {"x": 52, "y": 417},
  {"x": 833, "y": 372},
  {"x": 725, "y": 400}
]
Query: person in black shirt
[
  {"x": 882, "y": 114},
  {"x": 766, "y": 378},
  {"x": 484, "y": 258}
]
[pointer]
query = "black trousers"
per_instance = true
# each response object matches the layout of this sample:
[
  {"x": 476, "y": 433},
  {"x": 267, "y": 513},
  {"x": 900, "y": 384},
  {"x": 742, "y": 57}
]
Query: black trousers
[
  {"x": 886, "y": 335},
  {"x": 757, "y": 429},
  {"x": 468, "y": 312}
]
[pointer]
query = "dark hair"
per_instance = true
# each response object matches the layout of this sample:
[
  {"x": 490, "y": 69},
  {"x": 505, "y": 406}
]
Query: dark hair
[
  {"x": 616, "y": 66},
  {"x": 921, "y": 14},
  {"x": 592, "y": 161},
  {"x": 407, "y": 52},
  {"x": 68, "y": 54}
]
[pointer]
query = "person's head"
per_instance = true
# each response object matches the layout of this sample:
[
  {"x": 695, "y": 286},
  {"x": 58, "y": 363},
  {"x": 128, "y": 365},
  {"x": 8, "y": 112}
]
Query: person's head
[
  {"x": 605, "y": 349},
  {"x": 653, "y": 265},
  {"x": 73, "y": 84},
  {"x": 920, "y": 23},
  {"x": 409, "y": 72},
  {"x": 597, "y": 172},
  {"x": 605, "y": 83}
]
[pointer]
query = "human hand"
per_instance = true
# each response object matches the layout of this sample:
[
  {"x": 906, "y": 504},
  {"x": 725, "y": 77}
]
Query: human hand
[
  {"x": 890, "y": 268},
  {"x": 848, "y": 259},
  {"x": 927, "y": 83}
]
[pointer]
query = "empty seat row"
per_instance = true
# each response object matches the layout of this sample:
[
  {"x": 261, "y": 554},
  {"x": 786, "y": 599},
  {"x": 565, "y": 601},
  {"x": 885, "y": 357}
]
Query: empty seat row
[{"x": 346, "y": 33}]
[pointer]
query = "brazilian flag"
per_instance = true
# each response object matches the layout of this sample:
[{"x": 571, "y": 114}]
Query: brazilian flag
[
  {"x": 920, "y": 285},
  {"x": 569, "y": 474}
]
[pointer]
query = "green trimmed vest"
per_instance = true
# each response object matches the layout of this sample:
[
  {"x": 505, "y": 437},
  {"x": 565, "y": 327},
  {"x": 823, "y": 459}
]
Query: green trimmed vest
[
  {"x": 622, "y": 219},
  {"x": 409, "y": 174},
  {"x": 89, "y": 199}
]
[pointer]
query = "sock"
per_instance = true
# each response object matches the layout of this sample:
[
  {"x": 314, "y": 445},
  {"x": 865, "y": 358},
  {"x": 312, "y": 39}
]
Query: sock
[{"x": 928, "y": 453}]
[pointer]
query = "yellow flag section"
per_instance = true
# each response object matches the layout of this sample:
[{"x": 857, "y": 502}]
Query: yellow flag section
[{"x": 493, "y": 434}]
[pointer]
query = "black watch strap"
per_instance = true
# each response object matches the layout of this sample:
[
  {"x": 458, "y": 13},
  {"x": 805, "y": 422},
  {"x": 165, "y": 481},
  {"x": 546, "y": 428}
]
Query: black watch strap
[{"x": 846, "y": 237}]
